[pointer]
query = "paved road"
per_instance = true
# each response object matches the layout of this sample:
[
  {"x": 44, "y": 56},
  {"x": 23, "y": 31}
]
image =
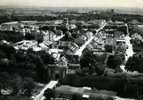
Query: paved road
[
  {"x": 79, "y": 51},
  {"x": 50, "y": 85},
  {"x": 129, "y": 50}
]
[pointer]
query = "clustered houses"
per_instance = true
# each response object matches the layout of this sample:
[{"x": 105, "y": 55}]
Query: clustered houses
[
  {"x": 62, "y": 40},
  {"x": 137, "y": 36},
  {"x": 65, "y": 37},
  {"x": 105, "y": 39},
  {"x": 22, "y": 26}
]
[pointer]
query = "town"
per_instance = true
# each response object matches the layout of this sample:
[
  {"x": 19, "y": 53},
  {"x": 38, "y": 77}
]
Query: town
[{"x": 72, "y": 59}]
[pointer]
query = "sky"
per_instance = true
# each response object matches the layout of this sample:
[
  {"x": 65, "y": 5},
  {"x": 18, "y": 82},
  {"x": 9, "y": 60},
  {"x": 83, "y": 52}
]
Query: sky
[{"x": 73, "y": 3}]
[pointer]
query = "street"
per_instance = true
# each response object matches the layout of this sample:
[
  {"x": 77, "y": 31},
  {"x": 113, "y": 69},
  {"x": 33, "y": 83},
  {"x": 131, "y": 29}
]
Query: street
[
  {"x": 50, "y": 85},
  {"x": 79, "y": 51}
]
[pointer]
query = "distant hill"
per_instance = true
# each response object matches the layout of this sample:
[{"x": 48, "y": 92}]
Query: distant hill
[{"x": 49, "y": 10}]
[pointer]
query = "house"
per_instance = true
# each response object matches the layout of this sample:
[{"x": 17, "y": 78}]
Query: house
[{"x": 55, "y": 71}]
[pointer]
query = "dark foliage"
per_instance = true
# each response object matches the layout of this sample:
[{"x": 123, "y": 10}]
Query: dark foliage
[
  {"x": 91, "y": 63},
  {"x": 11, "y": 36},
  {"x": 135, "y": 63},
  {"x": 128, "y": 87},
  {"x": 49, "y": 93},
  {"x": 16, "y": 83},
  {"x": 108, "y": 48},
  {"x": 22, "y": 67},
  {"x": 114, "y": 61}
]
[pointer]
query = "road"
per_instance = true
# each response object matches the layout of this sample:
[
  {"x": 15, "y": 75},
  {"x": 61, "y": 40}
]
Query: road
[
  {"x": 129, "y": 50},
  {"x": 79, "y": 51},
  {"x": 50, "y": 85},
  {"x": 58, "y": 38},
  {"x": 119, "y": 98}
]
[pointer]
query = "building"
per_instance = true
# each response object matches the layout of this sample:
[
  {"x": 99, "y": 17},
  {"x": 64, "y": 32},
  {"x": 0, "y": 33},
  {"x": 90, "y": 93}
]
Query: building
[{"x": 55, "y": 71}]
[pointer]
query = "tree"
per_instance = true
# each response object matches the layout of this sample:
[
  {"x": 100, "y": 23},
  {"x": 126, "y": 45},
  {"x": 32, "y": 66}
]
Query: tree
[
  {"x": 28, "y": 85},
  {"x": 11, "y": 36},
  {"x": 39, "y": 38},
  {"x": 91, "y": 63},
  {"x": 114, "y": 61},
  {"x": 108, "y": 48},
  {"x": 49, "y": 93},
  {"x": 46, "y": 57},
  {"x": 135, "y": 63}
]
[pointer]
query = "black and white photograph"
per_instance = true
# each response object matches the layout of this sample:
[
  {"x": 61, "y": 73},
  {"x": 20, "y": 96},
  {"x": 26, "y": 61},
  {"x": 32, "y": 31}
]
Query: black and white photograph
[{"x": 71, "y": 49}]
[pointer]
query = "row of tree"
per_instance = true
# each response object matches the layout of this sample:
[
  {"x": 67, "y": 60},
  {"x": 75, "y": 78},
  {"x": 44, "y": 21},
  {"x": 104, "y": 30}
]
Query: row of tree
[
  {"x": 78, "y": 16},
  {"x": 20, "y": 66},
  {"x": 93, "y": 74},
  {"x": 94, "y": 63}
]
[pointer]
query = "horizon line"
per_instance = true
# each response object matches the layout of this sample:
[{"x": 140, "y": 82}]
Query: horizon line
[{"x": 112, "y": 7}]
